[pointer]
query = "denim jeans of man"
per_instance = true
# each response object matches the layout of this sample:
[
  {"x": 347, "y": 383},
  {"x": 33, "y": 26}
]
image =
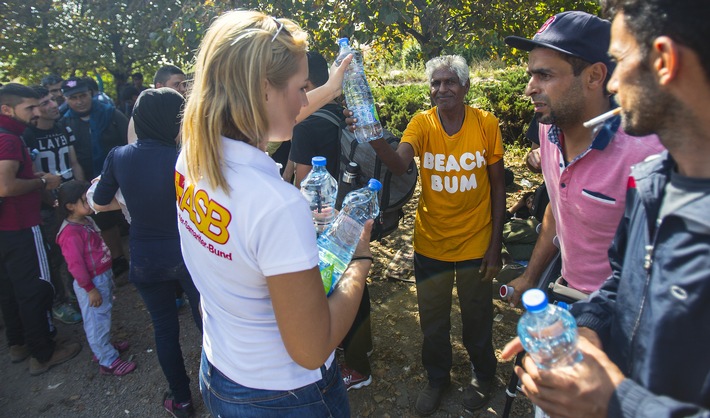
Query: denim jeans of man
[
  {"x": 224, "y": 398},
  {"x": 97, "y": 320},
  {"x": 435, "y": 281},
  {"x": 159, "y": 298}
]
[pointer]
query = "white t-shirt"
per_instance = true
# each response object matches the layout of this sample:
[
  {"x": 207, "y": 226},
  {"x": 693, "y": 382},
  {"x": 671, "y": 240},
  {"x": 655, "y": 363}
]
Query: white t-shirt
[{"x": 230, "y": 244}]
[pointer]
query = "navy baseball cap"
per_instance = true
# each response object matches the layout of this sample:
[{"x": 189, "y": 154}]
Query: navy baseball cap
[
  {"x": 74, "y": 85},
  {"x": 574, "y": 33}
]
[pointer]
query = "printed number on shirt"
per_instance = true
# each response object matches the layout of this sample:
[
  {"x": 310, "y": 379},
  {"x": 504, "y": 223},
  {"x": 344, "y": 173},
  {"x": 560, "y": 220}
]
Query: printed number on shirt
[{"x": 210, "y": 218}]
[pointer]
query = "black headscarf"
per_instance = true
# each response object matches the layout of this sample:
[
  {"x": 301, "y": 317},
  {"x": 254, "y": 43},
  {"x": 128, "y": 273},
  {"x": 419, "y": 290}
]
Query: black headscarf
[{"x": 157, "y": 114}]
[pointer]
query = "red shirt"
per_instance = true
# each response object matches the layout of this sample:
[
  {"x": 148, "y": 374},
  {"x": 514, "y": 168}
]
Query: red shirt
[{"x": 18, "y": 212}]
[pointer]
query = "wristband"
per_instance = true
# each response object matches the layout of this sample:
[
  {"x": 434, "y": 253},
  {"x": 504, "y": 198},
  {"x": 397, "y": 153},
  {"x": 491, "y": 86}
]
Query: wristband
[
  {"x": 44, "y": 182},
  {"x": 364, "y": 257}
]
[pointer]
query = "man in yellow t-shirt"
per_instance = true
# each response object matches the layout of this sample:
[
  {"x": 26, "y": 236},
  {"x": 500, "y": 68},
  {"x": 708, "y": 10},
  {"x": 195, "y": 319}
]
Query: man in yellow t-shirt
[{"x": 458, "y": 227}]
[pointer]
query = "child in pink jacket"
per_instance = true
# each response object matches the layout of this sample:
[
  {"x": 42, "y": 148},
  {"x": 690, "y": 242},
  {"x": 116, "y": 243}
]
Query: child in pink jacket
[{"x": 89, "y": 261}]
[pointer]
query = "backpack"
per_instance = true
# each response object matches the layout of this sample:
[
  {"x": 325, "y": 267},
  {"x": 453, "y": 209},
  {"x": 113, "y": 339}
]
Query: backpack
[
  {"x": 540, "y": 202},
  {"x": 396, "y": 190}
]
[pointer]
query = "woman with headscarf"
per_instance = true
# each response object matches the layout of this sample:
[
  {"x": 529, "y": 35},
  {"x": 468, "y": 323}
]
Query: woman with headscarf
[{"x": 145, "y": 173}]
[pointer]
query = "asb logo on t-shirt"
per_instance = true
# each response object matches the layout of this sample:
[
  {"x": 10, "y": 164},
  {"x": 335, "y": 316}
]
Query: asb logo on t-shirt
[{"x": 209, "y": 217}]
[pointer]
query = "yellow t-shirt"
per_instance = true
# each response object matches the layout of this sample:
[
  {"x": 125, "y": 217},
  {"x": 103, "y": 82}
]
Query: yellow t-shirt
[{"x": 453, "y": 221}]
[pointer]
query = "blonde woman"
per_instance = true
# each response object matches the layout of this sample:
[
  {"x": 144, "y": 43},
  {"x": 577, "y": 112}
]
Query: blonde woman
[{"x": 247, "y": 236}]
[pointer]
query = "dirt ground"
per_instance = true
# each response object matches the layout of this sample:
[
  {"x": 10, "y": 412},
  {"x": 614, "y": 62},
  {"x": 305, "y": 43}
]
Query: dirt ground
[{"x": 75, "y": 389}]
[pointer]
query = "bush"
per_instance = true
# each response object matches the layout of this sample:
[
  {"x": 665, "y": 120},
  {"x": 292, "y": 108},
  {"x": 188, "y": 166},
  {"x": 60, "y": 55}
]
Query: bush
[
  {"x": 397, "y": 104},
  {"x": 503, "y": 95},
  {"x": 499, "y": 91}
]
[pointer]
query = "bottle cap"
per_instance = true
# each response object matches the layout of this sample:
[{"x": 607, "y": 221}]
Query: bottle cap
[
  {"x": 374, "y": 184},
  {"x": 535, "y": 300},
  {"x": 318, "y": 161},
  {"x": 353, "y": 167},
  {"x": 342, "y": 41},
  {"x": 563, "y": 305}
]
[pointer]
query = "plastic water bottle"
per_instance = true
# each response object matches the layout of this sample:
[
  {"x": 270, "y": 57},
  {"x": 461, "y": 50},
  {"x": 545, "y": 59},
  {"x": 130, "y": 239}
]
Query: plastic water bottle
[
  {"x": 548, "y": 332},
  {"x": 320, "y": 189},
  {"x": 337, "y": 245},
  {"x": 358, "y": 95}
]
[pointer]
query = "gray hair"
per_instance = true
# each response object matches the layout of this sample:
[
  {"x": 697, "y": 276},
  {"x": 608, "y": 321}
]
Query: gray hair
[{"x": 455, "y": 63}]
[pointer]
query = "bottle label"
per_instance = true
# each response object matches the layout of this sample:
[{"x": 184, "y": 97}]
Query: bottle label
[{"x": 326, "y": 275}]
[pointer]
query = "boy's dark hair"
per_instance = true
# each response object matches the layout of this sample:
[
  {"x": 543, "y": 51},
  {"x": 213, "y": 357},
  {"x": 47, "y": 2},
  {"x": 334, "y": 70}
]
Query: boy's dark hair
[
  {"x": 12, "y": 94},
  {"x": 137, "y": 76},
  {"x": 164, "y": 73},
  {"x": 41, "y": 90},
  {"x": 70, "y": 192},
  {"x": 51, "y": 79},
  {"x": 317, "y": 68},
  {"x": 684, "y": 21}
]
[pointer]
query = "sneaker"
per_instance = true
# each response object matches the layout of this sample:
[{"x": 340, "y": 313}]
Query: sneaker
[
  {"x": 120, "y": 346},
  {"x": 62, "y": 353},
  {"x": 119, "y": 266},
  {"x": 477, "y": 394},
  {"x": 66, "y": 313},
  {"x": 354, "y": 379},
  {"x": 177, "y": 410},
  {"x": 429, "y": 399},
  {"x": 118, "y": 368},
  {"x": 18, "y": 353}
]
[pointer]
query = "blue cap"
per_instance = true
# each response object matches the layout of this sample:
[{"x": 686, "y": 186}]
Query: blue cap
[
  {"x": 574, "y": 33},
  {"x": 342, "y": 41},
  {"x": 534, "y": 300},
  {"x": 374, "y": 184},
  {"x": 318, "y": 161}
]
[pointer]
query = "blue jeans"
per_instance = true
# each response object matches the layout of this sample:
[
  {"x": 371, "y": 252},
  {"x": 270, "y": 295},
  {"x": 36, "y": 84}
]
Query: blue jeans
[
  {"x": 225, "y": 398},
  {"x": 159, "y": 298},
  {"x": 97, "y": 321}
]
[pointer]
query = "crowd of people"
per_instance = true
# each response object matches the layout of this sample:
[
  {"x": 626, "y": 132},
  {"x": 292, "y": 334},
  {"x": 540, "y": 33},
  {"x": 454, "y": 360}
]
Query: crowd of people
[{"x": 212, "y": 217}]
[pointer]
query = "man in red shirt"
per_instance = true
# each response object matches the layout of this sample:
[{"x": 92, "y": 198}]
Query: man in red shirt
[{"x": 25, "y": 291}]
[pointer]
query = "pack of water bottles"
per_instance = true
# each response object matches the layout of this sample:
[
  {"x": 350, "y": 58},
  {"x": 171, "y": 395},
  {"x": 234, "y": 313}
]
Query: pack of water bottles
[
  {"x": 337, "y": 235},
  {"x": 358, "y": 95}
]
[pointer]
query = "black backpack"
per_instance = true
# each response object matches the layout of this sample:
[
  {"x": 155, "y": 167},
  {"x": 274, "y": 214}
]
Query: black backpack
[{"x": 396, "y": 190}]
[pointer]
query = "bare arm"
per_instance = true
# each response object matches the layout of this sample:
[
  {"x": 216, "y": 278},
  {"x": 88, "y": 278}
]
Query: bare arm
[
  {"x": 532, "y": 160},
  {"x": 302, "y": 171},
  {"x": 320, "y": 96},
  {"x": 10, "y": 185},
  {"x": 541, "y": 256},
  {"x": 491, "y": 260},
  {"x": 397, "y": 161},
  {"x": 75, "y": 166},
  {"x": 311, "y": 326}
]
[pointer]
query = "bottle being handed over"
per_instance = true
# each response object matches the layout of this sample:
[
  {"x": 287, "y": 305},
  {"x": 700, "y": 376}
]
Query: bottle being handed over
[
  {"x": 321, "y": 190},
  {"x": 358, "y": 95},
  {"x": 337, "y": 245}
]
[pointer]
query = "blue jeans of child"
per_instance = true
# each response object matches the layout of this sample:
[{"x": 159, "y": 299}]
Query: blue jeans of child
[
  {"x": 225, "y": 398},
  {"x": 97, "y": 320},
  {"x": 159, "y": 298}
]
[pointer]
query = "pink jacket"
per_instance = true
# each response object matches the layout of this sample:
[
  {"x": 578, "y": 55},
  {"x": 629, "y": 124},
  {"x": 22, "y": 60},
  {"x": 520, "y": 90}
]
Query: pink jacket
[{"x": 85, "y": 251}]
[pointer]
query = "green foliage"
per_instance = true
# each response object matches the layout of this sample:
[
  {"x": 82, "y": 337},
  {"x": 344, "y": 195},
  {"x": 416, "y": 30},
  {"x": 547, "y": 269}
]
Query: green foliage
[
  {"x": 503, "y": 95},
  {"x": 499, "y": 91},
  {"x": 397, "y": 104}
]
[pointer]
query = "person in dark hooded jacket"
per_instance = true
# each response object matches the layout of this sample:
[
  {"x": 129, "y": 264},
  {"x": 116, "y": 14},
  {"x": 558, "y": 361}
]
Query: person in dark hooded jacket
[{"x": 145, "y": 173}]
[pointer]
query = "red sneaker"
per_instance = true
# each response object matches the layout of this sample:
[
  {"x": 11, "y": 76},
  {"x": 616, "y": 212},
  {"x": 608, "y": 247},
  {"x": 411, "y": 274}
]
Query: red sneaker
[
  {"x": 118, "y": 368},
  {"x": 354, "y": 379},
  {"x": 120, "y": 346}
]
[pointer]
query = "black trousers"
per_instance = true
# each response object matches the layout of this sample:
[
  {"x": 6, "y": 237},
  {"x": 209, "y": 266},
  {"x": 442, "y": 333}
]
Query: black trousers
[
  {"x": 25, "y": 291},
  {"x": 358, "y": 341},
  {"x": 435, "y": 281}
]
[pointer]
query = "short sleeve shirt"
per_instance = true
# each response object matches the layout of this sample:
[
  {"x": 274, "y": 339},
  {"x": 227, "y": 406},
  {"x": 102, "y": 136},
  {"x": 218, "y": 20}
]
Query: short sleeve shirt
[{"x": 453, "y": 220}]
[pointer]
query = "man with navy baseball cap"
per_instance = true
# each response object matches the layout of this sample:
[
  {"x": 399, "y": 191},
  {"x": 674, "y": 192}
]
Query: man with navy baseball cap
[{"x": 585, "y": 171}]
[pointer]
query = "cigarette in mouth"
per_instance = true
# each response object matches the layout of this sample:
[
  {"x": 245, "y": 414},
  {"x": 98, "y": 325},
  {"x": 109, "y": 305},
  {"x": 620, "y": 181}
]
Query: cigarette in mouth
[{"x": 602, "y": 118}]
